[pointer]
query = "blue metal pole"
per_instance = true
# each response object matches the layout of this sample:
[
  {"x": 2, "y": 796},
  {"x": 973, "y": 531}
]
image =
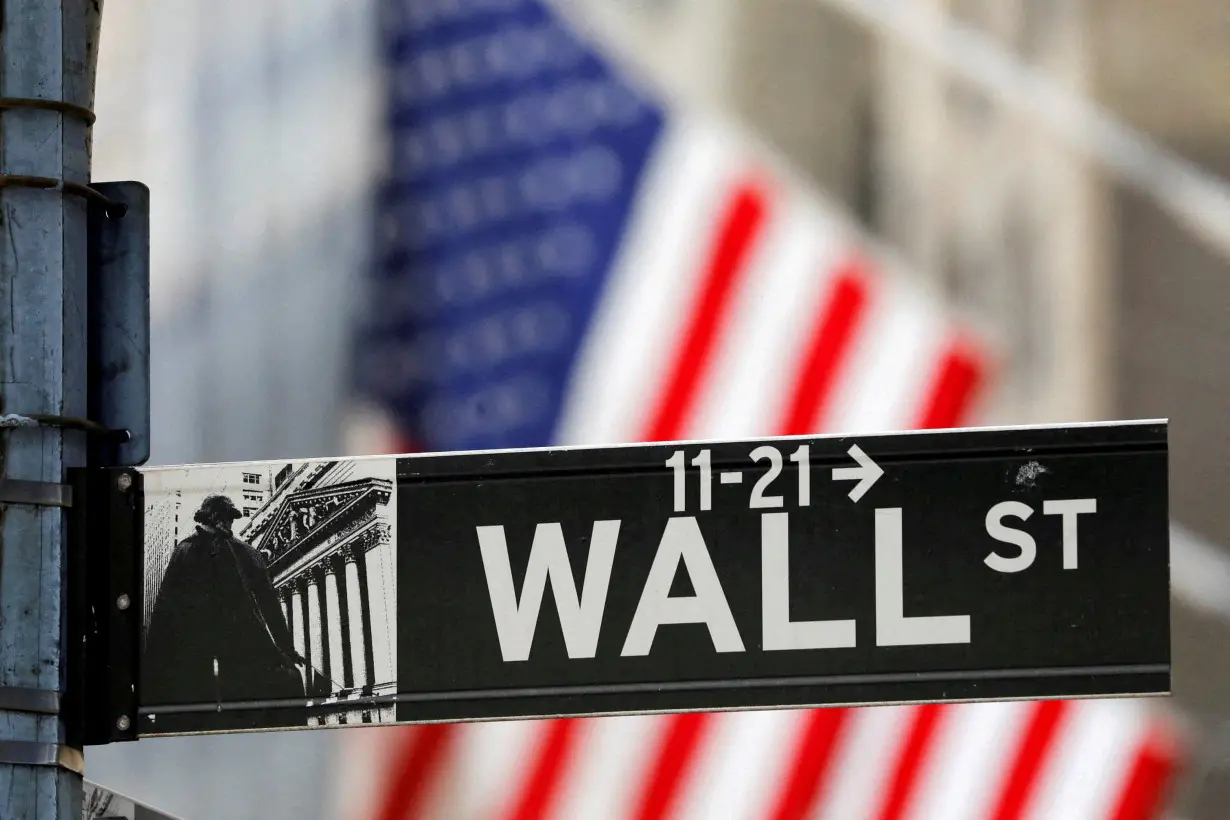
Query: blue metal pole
[{"x": 48, "y": 51}]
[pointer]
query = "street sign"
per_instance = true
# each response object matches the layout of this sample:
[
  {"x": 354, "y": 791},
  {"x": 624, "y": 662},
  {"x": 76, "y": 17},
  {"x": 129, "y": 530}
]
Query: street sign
[{"x": 938, "y": 566}]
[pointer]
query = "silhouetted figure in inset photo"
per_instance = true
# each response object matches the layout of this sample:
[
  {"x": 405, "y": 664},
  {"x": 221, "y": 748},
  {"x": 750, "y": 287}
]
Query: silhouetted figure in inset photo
[{"x": 217, "y": 634}]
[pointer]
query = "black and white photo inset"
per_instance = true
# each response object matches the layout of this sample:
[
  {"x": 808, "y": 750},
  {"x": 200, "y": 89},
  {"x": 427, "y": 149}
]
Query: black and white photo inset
[
  {"x": 270, "y": 595},
  {"x": 99, "y": 803}
]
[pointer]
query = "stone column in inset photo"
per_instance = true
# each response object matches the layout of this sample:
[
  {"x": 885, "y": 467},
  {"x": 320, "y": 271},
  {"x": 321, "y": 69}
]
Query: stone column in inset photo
[
  {"x": 315, "y": 626},
  {"x": 360, "y": 651},
  {"x": 332, "y": 623}
]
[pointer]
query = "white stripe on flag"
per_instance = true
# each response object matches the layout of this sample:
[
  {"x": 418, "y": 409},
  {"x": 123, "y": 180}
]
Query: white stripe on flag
[
  {"x": 494, "y": 758},
  {"x": 965, "y": 772},
  {"x": 364, "y": 767},
  {"x": 612, "y": 759},
  {"x": 897, "y": 350},
  {"x": 652, "y": 285},
  {"x": 760, "y": 352},
  {"x": 739, "y": 765},
  {"x": 1086, "y": 771},
  {"x": 864, "y": 762}
]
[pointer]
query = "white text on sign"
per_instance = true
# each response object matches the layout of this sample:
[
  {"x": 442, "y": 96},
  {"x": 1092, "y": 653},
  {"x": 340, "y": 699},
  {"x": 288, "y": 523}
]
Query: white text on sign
[
  {"x": 1067, "y": 508},
  {"x": 682, "y": 543}
]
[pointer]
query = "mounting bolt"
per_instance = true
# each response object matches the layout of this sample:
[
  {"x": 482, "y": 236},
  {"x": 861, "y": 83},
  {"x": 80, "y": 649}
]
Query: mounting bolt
[
  {"x": 123, "y": 723},
  {"x": 124, "y": 482},
  {"x": 123, "y": 602}
]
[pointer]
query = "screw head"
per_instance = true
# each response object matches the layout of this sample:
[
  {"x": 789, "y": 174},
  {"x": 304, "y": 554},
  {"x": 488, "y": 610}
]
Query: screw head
[
  {"x": 124, "y": 482},
  {"x": 123, "y": 602},
  {"x": 123, "y": 723}
]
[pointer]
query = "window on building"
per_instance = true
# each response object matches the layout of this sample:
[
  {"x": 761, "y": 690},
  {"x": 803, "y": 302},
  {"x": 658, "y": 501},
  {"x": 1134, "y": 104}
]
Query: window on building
[
  {"x": 248, "y": 512},
  {"x": 251, "y": 478},
  {"x": 247, "y": 496}
]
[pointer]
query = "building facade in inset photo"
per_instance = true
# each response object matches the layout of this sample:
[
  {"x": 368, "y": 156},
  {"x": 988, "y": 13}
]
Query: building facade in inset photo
[
  {"x": 163, "y": 523},
  {"x": 255, "y": 491},
  {"x": 327, "y": 530}
]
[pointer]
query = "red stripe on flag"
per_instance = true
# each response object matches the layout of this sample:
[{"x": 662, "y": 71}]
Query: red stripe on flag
[
  {"x": 918, "y": 743},
  {"x": 827, "y": 348},
  {"x": 541, "y": 788},
  {"x": 957, "y": 380},
  {"x": 1148, "y": 779},
  {"x": 417, "y": 762},
  {"x": 671, "y": 764},
  {"x": 402, "y": 445},
  {"x": 740, "y": 226},
  {"x": 1022, "y": 776},
  {"x": 812, "y": 761}
]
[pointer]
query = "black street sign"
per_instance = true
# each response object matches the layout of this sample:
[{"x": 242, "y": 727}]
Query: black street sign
[{"x": 940, "y": 566}]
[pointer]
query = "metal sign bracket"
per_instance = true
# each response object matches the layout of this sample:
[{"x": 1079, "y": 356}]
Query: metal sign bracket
[
  {"x": 105, "y": 538},
  {"x": 118, "y": 323}
]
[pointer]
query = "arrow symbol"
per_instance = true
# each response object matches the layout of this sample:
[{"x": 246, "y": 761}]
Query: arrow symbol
[{"x": 867, "y": 473}]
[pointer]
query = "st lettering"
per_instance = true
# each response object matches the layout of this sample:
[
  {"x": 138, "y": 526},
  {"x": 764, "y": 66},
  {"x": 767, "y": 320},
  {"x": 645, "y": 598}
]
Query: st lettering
[
  {"x": 682, "y": 549},
  {"x": 1069, "y": 509}
]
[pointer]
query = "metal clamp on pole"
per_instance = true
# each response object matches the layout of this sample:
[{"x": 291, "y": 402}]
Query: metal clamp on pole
[
  {"x": 59, "y": 106},
  {"x": 33, "y": 753},
  {"x": 114, "y": 210},
  {"x": 32, "y": 701},
  {"x": 13, "y": 421},
  {"x": 35, "y": 493}
]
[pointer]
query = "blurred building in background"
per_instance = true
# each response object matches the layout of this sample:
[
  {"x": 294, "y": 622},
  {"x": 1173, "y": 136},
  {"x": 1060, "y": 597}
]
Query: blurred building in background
[
  {"x": 255, "y": 123},
  {"x": 258, "y": 127}
]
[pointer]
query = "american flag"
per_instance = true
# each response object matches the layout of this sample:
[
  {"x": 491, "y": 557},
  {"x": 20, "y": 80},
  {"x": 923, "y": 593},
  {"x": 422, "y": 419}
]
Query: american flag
[{"x": 561, "y": 258}]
